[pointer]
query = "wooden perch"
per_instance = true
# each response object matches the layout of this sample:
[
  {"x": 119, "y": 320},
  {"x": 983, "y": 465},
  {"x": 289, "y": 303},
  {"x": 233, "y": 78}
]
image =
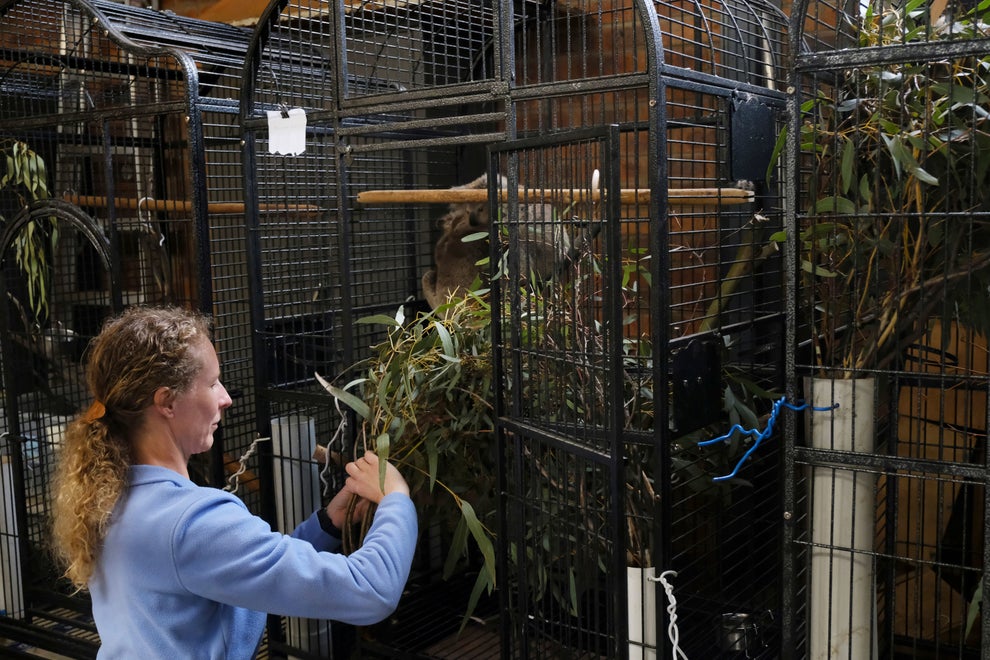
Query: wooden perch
[
  {"x": 179, "y": 205},
  {"x": 678, "y": 196},
  {"x": 248, "y": 478},
  {"x": 320, "y": 456}
]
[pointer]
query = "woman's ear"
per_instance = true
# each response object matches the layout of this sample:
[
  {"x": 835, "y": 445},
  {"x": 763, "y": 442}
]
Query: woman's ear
[{"x": 163, "y": 400}]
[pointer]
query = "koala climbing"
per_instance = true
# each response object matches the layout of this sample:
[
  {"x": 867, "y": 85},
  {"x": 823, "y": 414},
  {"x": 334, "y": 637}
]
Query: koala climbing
[
  {"x": 456, "y": 262},
  {"x": 542, "y": 243}
]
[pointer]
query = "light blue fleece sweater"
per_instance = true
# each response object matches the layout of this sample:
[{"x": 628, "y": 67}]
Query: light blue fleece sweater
[{"x": 188, "y": 572}]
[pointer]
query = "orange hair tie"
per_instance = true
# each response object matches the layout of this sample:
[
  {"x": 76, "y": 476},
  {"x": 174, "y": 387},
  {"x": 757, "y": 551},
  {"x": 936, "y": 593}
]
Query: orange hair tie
[{"x": 95, "y": 412}]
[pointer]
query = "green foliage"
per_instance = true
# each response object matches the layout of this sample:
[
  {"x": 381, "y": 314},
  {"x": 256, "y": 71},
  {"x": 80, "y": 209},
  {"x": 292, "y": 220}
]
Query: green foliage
[
  {"x": 900, "y": 158},
  {"x": 424, "y": 398},
  {"x": 27, "y": 178}
]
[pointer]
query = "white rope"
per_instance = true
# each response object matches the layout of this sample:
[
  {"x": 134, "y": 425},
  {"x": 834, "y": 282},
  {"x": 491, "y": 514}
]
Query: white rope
[
  {"x": 233, "y": 481},
  {"x": 672, "y": 632},
  {"x": 325, "y": 470}
]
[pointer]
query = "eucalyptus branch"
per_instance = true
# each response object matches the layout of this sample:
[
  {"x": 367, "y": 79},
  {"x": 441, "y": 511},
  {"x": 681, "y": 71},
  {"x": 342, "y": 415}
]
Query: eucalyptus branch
[
  {"x": 27, "y": 176},
  {"x": 944, "y": 279},
  {"x": 896, "y": 160},
  {"x": 743, "y": 264}
]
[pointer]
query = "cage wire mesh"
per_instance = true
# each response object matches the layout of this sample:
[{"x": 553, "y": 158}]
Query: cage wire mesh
[
  {"x": 403, "y": 102},
  {"x": 124, "y": 124},
  {"x": 408, "y": 96},
  {"x": 886, "y": 553}
]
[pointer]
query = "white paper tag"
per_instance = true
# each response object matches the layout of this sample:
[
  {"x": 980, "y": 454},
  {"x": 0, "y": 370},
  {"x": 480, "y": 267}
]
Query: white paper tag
[{"x": 287, "y": 132}]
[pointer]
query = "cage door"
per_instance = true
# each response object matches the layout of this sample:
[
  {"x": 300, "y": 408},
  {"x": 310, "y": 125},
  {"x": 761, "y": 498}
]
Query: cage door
[{"x": 565, "y": 356}]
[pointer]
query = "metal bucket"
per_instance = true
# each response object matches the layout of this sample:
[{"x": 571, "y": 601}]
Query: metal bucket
[{"x": 737, "y": 633}]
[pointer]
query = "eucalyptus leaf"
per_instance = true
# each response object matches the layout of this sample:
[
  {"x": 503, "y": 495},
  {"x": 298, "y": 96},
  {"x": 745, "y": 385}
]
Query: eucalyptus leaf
[
  {"x": 11, "y": 172},
  {"x": 835, "y": 204},
  {"x": 848, "y": 161},
  {"x": 476, "y": 236},
  {"x": 896, "y": 150},
  {"x": 484, "y": 582},
  {"x": 818, "y": 271},
  {"x": 378, "y": 319},
  {"x": 383, "y": 445},
  {"x": 778, "y": 148},
  {"x": 445, "y": 340},
  {"x": 865, "y": 192},
  {"x": 458, "y": 547},
  {"x": 433, "y": 458},
  {"x": 382, "y": 391},
  {"x": 848, "y": 105},
  {"x": 480, "y": 537},
  {"x": 345, "y": 397}
]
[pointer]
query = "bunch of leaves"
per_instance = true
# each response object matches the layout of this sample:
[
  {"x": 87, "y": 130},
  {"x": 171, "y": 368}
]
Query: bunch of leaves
[
  {"x": 424, "y": 403},
  {"x": 27, "y": 178},
  {"x": 899, "y": 181}
]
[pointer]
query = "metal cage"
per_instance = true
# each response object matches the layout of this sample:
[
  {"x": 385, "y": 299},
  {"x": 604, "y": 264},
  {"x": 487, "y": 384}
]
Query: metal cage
[
  {"x": 885, "y": 494},
  {"x": 660, "y": 292},
  {"x": 122, "y": 126},
  {"x": 680, "y": 292}
]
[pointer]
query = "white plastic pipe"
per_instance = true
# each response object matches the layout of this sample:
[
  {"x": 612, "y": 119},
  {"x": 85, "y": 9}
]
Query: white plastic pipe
[
  {"x": 11, "y": 588},
  {"x": 842, "y": 608},
  {"x": 642, "y": 613},
  {"x": 297, "y": 496}
]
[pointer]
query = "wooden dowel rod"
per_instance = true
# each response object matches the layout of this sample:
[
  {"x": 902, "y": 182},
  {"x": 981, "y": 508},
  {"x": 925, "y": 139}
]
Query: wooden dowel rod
[
  {"x": 680, "y": 196},
  {"x": 320, "y": 455},
  {"x": 247, "y": 478},
  {"x": 180, "y": 205}
]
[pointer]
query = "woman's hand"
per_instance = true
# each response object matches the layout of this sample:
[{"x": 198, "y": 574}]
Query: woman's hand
[
  {"x": 341, "y": 502},
  {"x": 363, "y": 483},
  {"x": 363, "y": 479}
]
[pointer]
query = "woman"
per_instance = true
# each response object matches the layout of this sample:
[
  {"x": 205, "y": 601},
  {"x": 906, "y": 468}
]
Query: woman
[{"x": 176, "y": 570}]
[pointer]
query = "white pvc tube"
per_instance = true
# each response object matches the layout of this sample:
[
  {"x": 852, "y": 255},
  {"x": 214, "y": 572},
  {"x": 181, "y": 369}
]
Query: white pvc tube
[
  {"x": 642, "y": 613},
  {"x": 842, "y": 608},
  {"x": 297, "y": 495},
  {"x": 11, "y": 588}
]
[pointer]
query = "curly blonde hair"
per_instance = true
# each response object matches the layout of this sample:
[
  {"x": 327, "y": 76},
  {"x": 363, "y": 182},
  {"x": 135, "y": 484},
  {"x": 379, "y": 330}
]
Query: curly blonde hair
[{"x": 137, "y": 352}]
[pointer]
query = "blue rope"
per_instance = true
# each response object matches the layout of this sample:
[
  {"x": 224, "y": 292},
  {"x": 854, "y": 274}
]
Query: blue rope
[{"x": 759, "y": 435}]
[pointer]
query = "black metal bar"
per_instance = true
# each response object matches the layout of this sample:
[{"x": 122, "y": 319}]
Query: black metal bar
[
  {"x": 789, "y": 613},
  {"x": 885, "y": 464},
  {"x": 46, "y": 639},
  {"x": 875, "y": 56}
]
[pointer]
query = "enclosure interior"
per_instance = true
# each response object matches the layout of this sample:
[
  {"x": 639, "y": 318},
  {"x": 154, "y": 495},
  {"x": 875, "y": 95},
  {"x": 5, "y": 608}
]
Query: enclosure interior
[
  {"x": 124, "y": 125},
  {"x": 409, "y": 97},
  {"x": 891, "y": 273}
]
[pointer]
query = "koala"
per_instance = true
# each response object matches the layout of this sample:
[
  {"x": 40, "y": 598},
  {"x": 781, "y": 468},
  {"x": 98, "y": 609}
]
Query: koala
[
  {"x": 544, "y": 247},
  {"x": 456, "y": 262}
]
